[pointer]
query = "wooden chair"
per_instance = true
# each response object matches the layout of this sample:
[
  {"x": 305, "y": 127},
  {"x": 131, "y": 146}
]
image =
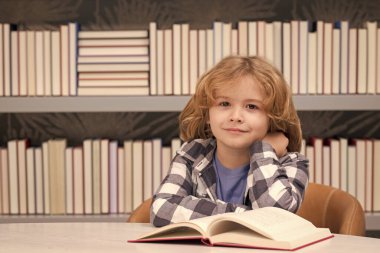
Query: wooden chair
[
  {"x": 324, "y": 206},
  {"x": 142, "y": 213}
]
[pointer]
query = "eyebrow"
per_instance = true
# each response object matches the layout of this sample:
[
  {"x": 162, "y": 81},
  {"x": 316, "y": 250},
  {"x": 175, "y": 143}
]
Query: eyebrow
[{"x": 245, "y": 100}]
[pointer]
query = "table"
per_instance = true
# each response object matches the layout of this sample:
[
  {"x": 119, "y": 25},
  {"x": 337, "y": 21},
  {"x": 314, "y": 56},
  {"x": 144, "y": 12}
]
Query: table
[{"x": 112, "y": 237}]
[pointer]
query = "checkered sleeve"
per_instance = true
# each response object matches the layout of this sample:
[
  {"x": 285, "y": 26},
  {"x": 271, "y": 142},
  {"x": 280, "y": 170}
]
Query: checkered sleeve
[
  {"x": 274, "y": 181},
  {"x": 176, "y": 200}
]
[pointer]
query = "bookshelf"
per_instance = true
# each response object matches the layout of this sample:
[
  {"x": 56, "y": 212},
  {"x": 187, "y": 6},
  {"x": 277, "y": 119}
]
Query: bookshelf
[
  {"x": 171, "y": 103},
  {"x": 166, "y": 104}
]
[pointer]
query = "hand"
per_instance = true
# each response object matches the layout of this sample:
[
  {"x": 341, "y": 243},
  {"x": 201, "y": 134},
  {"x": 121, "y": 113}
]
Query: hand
[{"x": 279, "y": 142}]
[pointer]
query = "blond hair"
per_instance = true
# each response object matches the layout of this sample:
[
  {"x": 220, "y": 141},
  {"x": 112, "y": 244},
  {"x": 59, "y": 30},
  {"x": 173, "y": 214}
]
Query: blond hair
[{"x": 278, "y": 102}]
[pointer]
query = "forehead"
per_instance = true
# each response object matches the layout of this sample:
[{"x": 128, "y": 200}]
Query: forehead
[{"x": 246, "y": 86}]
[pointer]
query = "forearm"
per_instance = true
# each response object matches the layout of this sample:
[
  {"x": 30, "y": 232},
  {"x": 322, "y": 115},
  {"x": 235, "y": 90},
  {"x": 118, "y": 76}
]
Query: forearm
[
  {"x": 277, "y": 182},
  {"x": 168, "y": 208}
]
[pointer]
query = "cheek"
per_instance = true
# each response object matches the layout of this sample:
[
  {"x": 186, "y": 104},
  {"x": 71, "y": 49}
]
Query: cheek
[
  {"x": 264, "y": 126},
  {"x": 213, "y": 122},
  {"x": 212, "y": 116}
]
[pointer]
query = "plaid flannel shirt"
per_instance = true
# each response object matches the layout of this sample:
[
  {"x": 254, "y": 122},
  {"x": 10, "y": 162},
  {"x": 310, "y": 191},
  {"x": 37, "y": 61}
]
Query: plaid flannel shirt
[{"x": 189, "y": 189}]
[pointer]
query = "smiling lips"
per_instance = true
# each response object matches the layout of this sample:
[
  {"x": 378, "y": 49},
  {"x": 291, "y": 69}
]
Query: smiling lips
[{"x": 235, "y": 130}]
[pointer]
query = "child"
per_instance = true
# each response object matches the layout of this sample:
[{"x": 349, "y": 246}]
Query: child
[{"x": 242, "y": 136}]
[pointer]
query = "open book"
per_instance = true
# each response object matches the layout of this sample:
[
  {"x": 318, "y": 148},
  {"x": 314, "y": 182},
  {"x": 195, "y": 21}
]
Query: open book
[{"x": 266, "y": 228}]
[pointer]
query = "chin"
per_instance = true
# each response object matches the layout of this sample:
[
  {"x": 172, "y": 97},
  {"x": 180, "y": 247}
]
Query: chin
[{"x": 237, "y": 145}]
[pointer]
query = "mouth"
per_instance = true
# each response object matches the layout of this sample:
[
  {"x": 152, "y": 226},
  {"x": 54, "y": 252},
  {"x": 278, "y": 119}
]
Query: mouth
[{"x": 235, "y": 130}]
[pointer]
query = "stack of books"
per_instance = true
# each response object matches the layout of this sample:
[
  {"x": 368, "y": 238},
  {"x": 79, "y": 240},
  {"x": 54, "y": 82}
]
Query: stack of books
[{"x": 113, "y": 62}]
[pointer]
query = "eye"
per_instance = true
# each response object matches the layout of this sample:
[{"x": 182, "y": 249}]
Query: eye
[
  {"x": 252, "y": 106},
  {"x": 224, "y": 103}
]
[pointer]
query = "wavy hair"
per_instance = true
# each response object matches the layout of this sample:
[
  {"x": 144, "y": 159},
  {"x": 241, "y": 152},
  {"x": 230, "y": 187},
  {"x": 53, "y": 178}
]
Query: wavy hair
[{"x": 277, "y": 102}]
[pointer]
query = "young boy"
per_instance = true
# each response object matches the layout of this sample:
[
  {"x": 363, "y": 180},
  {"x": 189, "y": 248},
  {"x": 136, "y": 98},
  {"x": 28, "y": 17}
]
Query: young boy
[{"x": 242, "y": 137}]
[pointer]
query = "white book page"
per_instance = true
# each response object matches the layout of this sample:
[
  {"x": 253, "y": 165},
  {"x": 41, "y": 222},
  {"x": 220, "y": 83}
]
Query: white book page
[
  {"x": 204, "y": 222},
  {"x": 192, "y": 228},
  {"x": 274, "y": 223}
]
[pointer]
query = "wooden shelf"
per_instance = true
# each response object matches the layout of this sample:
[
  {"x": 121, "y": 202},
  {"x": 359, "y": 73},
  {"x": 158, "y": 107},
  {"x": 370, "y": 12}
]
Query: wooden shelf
[
  {"x": 171, "y": 103},
  {"x": 63, "y": 218},
  {"x": 372, "y": 219},
  {"x": 93, "y": 104}
]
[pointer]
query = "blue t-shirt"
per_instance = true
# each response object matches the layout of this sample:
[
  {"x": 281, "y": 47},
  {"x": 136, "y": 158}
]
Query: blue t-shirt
[{"x": 230, "y": 183}]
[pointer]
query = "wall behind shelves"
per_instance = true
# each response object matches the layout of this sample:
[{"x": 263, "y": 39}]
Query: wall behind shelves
[
  {"x": 136, "y": 14},
  {"x": 39, "y": 127}
]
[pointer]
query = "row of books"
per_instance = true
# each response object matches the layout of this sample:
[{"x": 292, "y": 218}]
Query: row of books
[
  {"x": 352, "y": 165},
  {"x": 38, "y": 63},
  {"x": 315, "y": 57},
  {"x": 102, "y": 177},
  {"x": 98, "y": 177}
]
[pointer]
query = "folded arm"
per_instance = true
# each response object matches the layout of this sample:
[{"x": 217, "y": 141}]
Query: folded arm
[
  {"x": 274, "y": 181},
  {"x": 178, "y": 198}
]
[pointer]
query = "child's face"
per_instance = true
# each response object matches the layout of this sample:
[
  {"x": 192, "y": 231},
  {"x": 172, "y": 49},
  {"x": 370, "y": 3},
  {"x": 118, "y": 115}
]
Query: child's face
[{"x": 237, "y": 118}]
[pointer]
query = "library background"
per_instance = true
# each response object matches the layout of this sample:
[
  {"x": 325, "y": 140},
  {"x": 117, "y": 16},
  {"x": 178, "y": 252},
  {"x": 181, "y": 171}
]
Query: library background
[{"x": 70, "y": 123}]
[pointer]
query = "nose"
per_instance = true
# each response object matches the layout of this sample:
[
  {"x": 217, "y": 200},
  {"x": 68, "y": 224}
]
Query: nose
[{"x": 236, "y": 115}]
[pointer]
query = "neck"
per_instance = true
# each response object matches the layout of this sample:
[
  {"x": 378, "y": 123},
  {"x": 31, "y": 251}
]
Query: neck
[{"x": 232, "y": 158}]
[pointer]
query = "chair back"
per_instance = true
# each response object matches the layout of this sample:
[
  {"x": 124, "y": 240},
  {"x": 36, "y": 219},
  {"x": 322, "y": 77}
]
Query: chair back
[
  {"x": 326, "y": 206},
  {"x": 142, "y": 213}
]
